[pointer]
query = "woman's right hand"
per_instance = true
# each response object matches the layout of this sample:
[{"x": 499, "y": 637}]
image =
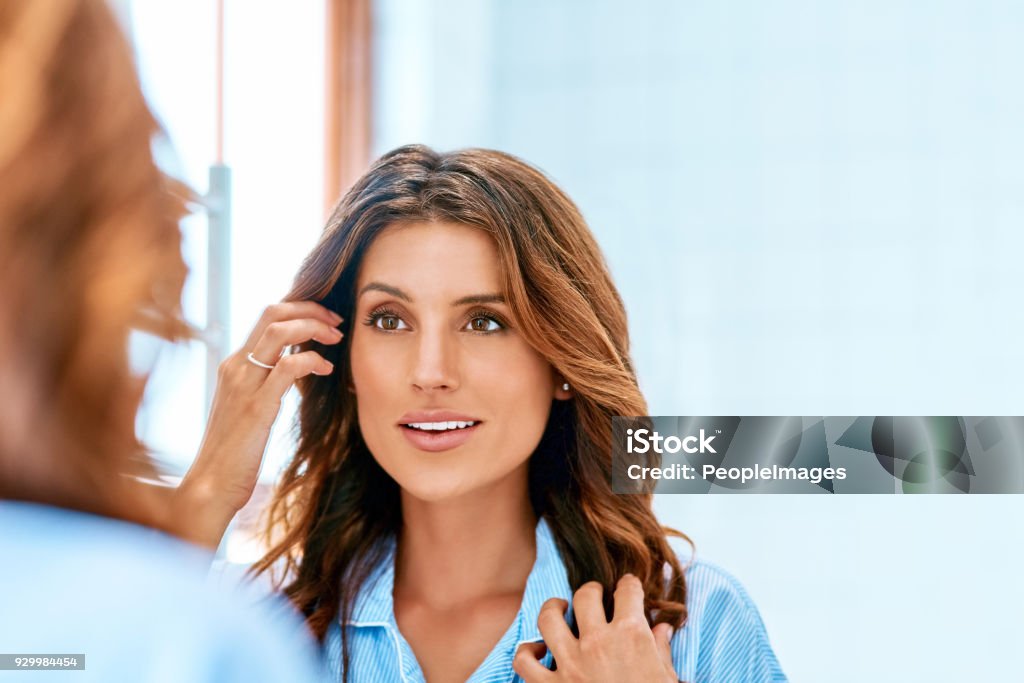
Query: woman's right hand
[{"x": 245, "y": 405}]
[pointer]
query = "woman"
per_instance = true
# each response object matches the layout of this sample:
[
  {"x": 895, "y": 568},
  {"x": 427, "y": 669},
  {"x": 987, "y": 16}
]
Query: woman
[
  {"x": 89, "y": 251},
  {"x": 450, "y": 499}
]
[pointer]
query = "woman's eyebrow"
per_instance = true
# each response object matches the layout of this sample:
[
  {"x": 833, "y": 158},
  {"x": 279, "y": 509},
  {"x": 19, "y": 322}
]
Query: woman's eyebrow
[
  {"x": 396, "y": 292},
  {"x": 480, "y": 299},
  {"x": 387, "y": 289}
]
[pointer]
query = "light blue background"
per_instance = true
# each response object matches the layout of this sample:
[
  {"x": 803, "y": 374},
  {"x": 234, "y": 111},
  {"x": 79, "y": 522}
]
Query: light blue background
[{"x": 810, "y": 208}]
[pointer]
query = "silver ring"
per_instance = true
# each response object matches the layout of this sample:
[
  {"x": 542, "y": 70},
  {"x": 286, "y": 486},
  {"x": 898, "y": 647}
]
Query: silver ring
[{"x": 255, "y": 362}]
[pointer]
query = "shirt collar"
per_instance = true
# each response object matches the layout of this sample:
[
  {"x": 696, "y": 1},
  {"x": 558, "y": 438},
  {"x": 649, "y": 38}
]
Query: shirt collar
[
  {"x": 548, "y": 579},
  {"x": 374, "y": 606}
]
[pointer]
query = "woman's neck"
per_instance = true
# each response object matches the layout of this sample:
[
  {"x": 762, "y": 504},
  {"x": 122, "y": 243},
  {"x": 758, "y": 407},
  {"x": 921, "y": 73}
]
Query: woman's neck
[{"x": 476, "y": 546}]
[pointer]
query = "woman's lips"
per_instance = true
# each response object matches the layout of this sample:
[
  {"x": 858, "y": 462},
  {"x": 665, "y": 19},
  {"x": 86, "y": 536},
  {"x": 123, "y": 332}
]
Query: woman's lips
[{"x": 437, "y": 440}]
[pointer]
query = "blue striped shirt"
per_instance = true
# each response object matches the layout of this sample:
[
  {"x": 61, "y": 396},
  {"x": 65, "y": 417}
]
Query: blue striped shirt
[{"x": 723, "y": 640}]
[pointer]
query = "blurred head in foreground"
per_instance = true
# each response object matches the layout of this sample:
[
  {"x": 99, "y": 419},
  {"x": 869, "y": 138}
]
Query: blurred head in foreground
[{"x": 89, "y": 250}]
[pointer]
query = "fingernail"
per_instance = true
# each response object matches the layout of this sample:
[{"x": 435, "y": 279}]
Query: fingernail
[
  {"x": 337, "y": 318},
  {"x": 671, "y": 632}
]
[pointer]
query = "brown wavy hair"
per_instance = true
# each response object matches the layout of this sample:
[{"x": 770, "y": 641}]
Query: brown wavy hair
[
  {"x": 335, "y": 504},
  {"x": 89, "y": 248}
]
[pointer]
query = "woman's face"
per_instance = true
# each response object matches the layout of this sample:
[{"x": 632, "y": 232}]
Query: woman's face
[{"x": 451, "y": 398}]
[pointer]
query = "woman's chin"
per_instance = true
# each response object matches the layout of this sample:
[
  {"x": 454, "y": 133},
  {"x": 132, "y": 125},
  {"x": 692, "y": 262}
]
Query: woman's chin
[
  {"x": 438, "y": 491},
  {"x": 442, "y": 487},
  {"x": 436, "y": 478}
]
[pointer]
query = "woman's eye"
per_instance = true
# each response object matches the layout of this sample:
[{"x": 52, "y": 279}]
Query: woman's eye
[
  {"x": 390, "y": 322},
  {"x": 484, "y": 324}
]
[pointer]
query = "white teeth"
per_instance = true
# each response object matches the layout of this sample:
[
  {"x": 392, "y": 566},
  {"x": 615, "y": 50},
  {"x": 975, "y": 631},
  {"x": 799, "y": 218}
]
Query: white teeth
[{"x": 440, "y": 426}]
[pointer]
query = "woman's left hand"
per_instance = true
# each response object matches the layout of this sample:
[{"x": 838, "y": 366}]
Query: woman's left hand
[{"x": 625, "y": 650}]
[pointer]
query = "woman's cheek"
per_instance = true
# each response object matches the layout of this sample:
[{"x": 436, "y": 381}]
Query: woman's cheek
[
  {"x": 374, "y": 365},
  {"x": 522, "y": 393}
]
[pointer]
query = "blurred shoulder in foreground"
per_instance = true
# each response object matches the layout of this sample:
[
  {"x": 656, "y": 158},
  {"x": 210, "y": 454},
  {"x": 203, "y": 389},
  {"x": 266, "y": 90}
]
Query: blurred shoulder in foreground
[{"x": 137, "y": 604}]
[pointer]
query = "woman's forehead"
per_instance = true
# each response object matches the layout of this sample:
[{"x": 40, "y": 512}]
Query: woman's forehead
[{"x": 441, "y": 258}]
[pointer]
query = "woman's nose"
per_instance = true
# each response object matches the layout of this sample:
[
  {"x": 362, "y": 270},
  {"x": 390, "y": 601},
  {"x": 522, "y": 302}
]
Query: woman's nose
[{"x": 434, "y": 365}]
